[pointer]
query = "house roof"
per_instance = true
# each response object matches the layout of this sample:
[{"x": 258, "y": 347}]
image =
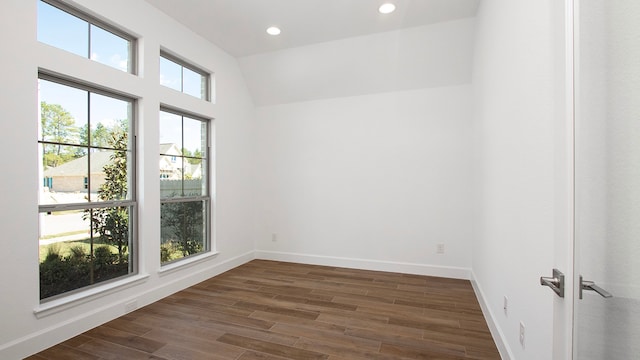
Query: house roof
[
  {"x": 165, "y": 149},
  {"x": 78, "y": 167}
]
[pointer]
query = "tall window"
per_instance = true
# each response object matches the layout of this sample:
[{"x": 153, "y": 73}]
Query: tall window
[
  {"x": 184, "y": 186},
  {"x": 86, "y": 201},
  {"x": 180, "y": 76},
  {"x": 78, "y": 33}
]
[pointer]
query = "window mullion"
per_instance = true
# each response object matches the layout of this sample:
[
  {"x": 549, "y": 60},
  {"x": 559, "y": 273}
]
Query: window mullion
[
  {"x": 89, "y": 145},
  {"x": 89, "y": 40}
]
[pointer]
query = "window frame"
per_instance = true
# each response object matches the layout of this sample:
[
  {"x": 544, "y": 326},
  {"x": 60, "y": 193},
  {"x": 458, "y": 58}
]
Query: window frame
[
  {"x": 131, "y": 202},
  {"x": 185, "y": 64},
  {"x": 207, "y": 199},
  {"x": 92, "y": 20}
]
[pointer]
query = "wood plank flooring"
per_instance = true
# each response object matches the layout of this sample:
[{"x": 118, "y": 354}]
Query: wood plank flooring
[{"x": 266, "y": 310}]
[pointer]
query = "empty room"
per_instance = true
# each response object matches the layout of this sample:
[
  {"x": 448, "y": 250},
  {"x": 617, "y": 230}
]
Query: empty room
[{"x": 320, "y": 179}]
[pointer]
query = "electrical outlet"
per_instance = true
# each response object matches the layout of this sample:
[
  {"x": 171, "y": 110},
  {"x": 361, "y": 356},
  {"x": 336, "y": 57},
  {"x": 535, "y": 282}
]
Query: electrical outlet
[
  {"x": 522, "y": 334},
  {"x": 506, "y": 305},
  {"x": 274, "y": 237},
  {"x": 440, "y": 249}
]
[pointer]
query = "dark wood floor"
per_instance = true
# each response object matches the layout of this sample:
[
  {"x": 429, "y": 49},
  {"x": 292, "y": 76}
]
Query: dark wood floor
[{"x": 273, "y": 310}]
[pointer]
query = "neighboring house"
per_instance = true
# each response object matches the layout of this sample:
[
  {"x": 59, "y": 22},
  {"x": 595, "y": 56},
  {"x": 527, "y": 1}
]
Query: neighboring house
[
  {"x": 195, "y": 170},
  {"x": 73, "y": 176},
  {"x": 170, "y": 162},
  {"x": 172, "y": 169}
]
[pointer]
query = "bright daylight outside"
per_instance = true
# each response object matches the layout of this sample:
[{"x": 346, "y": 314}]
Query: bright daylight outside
[
  {"x": 86, "y": 194},
  {"x": 86, "y": 157},
  {"x": 87, "y": 202},
  {"x": 184, "y": 186}
]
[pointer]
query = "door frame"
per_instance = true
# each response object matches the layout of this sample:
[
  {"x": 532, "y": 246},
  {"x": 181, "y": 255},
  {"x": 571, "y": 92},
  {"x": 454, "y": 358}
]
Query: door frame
[{"x": 564, "y": 228}]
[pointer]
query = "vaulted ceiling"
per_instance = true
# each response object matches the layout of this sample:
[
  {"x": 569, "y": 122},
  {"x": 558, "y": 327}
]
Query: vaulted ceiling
[{"x": 239, "y": 26}]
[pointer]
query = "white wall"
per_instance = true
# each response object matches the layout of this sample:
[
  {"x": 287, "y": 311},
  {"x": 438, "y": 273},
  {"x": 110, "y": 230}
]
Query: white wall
[
  {"x": 415, "y": 58},
  {"x": 22, "y": 332},
  {"x": 371, "y": 181},
  {"x": 522, "y": 170},
  {"x": 364, "y": 150}
]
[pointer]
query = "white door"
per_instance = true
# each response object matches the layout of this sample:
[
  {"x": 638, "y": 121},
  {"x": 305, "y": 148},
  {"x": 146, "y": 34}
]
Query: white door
[{"x": 607, "y": 179}]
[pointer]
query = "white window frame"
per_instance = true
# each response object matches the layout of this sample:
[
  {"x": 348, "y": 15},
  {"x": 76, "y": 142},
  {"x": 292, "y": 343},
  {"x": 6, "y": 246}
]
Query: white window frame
[
  {"x": 186, "y": 65},
  {"x": 133, "y": 44},
  {"x": 206, "y": 198},
  {"x": 131, "y": 202}
]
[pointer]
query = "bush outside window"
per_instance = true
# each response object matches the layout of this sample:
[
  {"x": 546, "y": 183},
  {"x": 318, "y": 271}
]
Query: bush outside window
[
  {"x": 184, "y": 186},
  {"x": 86, "y": 198}
]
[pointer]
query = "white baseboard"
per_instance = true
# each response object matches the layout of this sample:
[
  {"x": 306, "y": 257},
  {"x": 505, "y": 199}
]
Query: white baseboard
[
  {"x": 366, "y": 264},
  {"x": 498, "y": 336},
  {"x": 62, "y": 331}
]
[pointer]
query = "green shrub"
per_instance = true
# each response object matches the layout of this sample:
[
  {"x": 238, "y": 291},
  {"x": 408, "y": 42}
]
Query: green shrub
[
  {"x": 103, "y": 256},
  {"x": 77, "y": 254}
]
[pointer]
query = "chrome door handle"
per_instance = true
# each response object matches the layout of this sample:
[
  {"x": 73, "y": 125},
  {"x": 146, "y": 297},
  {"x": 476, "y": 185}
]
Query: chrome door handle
[
  {"x": 556, "y": 283},
  {"x": 591, "y": 286}
]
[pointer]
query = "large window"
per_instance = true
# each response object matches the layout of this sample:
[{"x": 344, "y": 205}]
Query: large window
[
  {"x": 180, "y": 76},
  {"x": 87, "y": 195},
  {"x": 184, "y": 186},
  {"x": 78, "y": 33}
]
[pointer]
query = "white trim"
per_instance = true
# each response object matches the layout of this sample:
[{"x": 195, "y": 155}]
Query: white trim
[
  {"x": 193, "y": 278},
  {"x": 567, "y": 337},
  {"x": 64, "y": 330},
  {"x": 496, "y": 333},
  {"x": 184, "y": 263},
  {"x": 67, "y": 302},
  {"x": 366, "y": 264}
]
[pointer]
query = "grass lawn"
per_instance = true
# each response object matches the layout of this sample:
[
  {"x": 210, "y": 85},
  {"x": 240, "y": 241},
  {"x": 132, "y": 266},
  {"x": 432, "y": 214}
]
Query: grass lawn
[{"x": 64, "y": 247}]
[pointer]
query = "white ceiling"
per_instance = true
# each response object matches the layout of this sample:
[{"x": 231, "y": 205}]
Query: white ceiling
[{"x": 238, "y": 26}]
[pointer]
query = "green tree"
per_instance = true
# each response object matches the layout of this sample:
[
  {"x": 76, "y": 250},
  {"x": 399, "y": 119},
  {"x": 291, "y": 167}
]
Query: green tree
[
  {"x": 100, "y": 135},
  {"x": 58, "y": 126},
  {"x": 192, "y": 158},
  {"x": 184, "y": 224},
  {"x": 112, "y": 224}
]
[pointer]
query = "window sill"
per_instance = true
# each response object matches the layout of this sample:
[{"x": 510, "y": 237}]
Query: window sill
[
  {"x": 191, "y": 261},
  {"x": 62, "y": 304}
]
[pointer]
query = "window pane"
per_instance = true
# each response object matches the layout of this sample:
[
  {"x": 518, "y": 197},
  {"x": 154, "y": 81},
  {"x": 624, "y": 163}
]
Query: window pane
[
  {"x": 170, "y": 133},
  {"x": 73, "y": 256},
  {"x": 193, "y": 83},
  {"x": 183, "y": 229},
  {"x": 195, "y": 183},
  {"x": 63, "y": 113},
  {"x": 109, "y": 175},
  {"x": 170, "y": 176},
  {"x": 195, "y": 137},
  {"x": 110, "y": 118},
  {"x": 60, "y": 226},
  {"x": 80, "y": 35},
  {"x": 63, "y": 159},
  {"x": 110, "y": 49},
  {"x": 170, "y": 74},
  {"x": 68, "y": 171},
  {"x": 178, "y": 76},
  {"x": 63, "y": 171},
  {"x": 62, "y": 30}
]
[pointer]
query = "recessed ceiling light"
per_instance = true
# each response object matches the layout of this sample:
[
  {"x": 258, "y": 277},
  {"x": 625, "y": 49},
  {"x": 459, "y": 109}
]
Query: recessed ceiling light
[
  {"x": 273, "y": 31},
  {"x": 387, "y": 8}
]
